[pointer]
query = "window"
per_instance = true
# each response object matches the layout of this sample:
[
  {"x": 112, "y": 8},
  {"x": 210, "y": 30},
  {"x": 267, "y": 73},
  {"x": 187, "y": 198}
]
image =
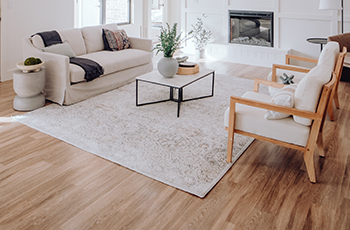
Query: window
[
  {"x": 96, "y": 12},
  {"x": 157, "y": 13}
]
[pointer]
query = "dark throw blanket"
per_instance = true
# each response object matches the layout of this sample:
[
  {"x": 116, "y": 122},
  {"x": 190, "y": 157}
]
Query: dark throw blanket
[
  {"x": 92, "y": 69},
  {"x": 50, "y": 37}
]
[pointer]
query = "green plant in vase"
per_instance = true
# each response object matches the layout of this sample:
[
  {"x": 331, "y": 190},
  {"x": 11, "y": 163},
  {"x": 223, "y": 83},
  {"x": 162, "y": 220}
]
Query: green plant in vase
[{"x": 169, "y": 42}]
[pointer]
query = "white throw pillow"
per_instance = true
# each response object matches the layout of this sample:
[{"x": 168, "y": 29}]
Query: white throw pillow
[
  {"x": 284, "y": 97},
  {"x": 61, "y": 48}
]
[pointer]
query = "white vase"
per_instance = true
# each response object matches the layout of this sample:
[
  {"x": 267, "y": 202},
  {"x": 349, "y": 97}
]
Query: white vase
[
  {"x": 200, "y": 53},
  {"x": 168, "y": 66}
]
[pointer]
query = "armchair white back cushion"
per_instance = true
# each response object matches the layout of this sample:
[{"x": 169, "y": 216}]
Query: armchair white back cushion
[
  {"x": 329, "y": 54},
  {"x": 308, "y": 91}
]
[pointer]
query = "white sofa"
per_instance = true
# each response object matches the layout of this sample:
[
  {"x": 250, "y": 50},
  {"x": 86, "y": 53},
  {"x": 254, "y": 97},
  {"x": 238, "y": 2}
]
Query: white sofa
[{"x": 65, "y": 83}]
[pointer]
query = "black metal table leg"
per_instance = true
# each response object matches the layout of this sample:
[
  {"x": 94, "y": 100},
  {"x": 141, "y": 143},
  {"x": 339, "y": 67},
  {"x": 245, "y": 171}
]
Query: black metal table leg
[
  {"x": 179, "y": 100},
  {"x": 137, "y": 89},
  {"x": 171, "y": 93},
  {"x": 212, "y": 85}
]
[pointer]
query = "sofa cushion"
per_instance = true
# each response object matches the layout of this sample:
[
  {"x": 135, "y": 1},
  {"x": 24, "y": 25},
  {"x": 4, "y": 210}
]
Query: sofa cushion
[
  {"x": 112, "y": 61},
  {"x": 75, "y": 40},
  {"x": 251, "y": 119},
  {"x": 93, "y": 36},
  {"x": 308, "y": 91}
]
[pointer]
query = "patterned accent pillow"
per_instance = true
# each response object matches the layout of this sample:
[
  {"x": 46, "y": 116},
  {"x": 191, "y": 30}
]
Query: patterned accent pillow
[
  {"x": 284, "y": 97},
  {"x": 116, "y": 40}
]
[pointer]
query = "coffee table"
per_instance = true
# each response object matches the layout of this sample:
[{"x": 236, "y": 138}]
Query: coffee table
[{"x": 177, "y": 82}]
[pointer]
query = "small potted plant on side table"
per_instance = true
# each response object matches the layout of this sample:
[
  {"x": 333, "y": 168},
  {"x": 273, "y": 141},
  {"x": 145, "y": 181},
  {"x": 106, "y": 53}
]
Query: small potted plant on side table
[{"x": 169, "y": 42}]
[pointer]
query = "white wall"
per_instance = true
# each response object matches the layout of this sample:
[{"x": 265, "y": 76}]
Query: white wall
[
  {"x": 295, "y": 21},
  {"x": 24, "y": 18}
]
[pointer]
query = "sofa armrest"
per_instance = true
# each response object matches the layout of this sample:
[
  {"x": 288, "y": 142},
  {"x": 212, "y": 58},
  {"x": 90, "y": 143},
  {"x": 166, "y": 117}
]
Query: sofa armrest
[
  {"x": 57, "y": 77},
  {"x": 141, "y": 43}
]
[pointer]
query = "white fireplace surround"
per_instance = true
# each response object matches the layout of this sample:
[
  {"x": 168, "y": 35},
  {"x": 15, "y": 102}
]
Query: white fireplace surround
[{"x": 292, "y": 26}]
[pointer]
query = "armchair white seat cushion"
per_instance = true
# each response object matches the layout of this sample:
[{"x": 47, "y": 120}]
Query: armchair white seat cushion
[{"x": 251, "y": 119}]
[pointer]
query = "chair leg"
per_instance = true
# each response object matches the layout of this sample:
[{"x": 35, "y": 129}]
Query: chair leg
[
  {"x": 230, "y": 145},
  {"x": 336, "y": 100},
  {"x": 310, "y": 166},
  {"x": 231, "y": 130},
  {"x": 320, "y": 147},
  {"x": 330, "y": 110}
]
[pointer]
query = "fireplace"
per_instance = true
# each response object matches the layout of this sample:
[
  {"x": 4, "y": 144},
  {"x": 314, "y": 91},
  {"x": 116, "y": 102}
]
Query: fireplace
[{"x": 251, "y": 27}]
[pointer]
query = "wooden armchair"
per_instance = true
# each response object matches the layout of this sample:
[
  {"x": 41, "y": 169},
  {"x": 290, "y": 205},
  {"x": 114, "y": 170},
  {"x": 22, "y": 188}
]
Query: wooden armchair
[
  {"x": 328, "y": 56},
  {"x": 245, "y": 116}
]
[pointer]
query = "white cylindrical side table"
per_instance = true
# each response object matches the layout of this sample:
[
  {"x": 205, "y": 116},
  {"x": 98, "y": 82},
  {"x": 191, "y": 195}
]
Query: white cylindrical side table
[{"x": 28, "y": 87}]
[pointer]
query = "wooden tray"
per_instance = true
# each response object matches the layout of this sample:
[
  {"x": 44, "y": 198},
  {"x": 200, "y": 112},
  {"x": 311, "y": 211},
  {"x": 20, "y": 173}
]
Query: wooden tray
[{"x": 188, "y": 70}]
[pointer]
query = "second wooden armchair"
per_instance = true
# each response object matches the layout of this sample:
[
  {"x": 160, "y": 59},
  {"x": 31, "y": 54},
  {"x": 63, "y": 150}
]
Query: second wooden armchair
[{"x": 302, "y": 130}]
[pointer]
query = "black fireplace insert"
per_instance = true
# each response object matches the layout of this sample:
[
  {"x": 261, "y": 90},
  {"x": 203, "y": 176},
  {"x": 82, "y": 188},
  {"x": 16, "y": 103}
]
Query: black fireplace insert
[{"x": 251, "y": 27}]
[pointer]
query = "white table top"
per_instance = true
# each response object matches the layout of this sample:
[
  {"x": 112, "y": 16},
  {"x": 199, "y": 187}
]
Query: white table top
[{"x": 178, "y": 81}]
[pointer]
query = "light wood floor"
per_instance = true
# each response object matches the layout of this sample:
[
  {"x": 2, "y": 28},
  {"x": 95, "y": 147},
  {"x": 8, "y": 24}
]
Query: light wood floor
[{"x": 48, "y": 184}]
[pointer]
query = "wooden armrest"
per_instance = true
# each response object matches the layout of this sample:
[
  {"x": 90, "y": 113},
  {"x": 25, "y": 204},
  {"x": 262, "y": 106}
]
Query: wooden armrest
[
  {"x": 277, "y": 108},
  {"x": 274, "y": 84},
  {"x": 289, "y": 57},
  {"x": 287, "y": 67}
]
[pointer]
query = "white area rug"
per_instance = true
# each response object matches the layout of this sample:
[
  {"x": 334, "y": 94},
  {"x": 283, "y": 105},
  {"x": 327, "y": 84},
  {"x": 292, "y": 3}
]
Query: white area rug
[{"x": 188, "y": 153}]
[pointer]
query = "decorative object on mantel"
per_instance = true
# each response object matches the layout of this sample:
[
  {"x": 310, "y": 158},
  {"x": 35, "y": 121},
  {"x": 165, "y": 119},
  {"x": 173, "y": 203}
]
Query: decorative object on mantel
[
  {"x": 200, "y": 37},
  {"x": 30, "y": 64},
  {"x": 286, "y": 79},
  {"x": 169, "y": 43},
  {"x": 189, "y": 154}
]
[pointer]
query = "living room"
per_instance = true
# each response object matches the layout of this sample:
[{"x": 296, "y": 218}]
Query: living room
[{"x": 48, "y": 183}]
